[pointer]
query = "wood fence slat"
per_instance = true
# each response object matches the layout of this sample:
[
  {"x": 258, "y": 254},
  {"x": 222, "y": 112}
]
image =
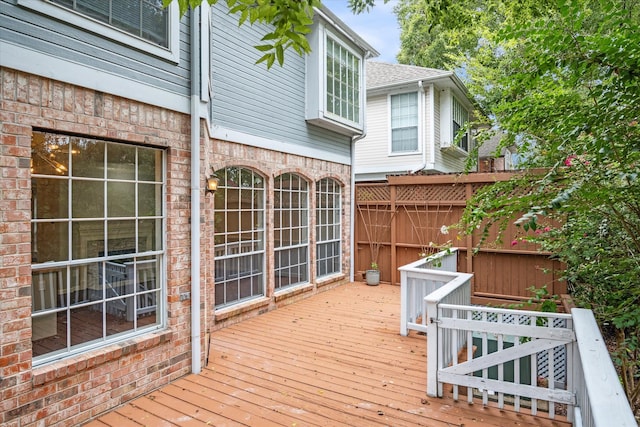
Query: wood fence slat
[{"x": 421, "y": 205}]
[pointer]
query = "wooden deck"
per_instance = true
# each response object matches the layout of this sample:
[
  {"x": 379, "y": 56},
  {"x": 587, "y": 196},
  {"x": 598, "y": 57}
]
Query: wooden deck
[{"x": 336, "y": 359}]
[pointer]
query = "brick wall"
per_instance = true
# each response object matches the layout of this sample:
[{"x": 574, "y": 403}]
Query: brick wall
[
  {"x": 74, "y": 390},
  {"x": 71, "y": 391},
  {"x": 270, "y": 164}
]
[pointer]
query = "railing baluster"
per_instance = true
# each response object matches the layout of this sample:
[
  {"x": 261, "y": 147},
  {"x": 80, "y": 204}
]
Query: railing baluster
[
  {"x": 534, "y": 371},
  {"x": 469, "y": 352},
  {"x": 442, "y": 355},
  {"x": 485, "y": 351},
  {"x": 500, "y": 339},
  {"x": 516, "y": 368},
  {"x": 454, "y": 345}
]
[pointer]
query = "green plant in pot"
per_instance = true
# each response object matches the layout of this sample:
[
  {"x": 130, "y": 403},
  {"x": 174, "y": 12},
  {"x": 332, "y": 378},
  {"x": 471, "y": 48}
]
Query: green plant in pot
[{"x": 373, "y": 274}]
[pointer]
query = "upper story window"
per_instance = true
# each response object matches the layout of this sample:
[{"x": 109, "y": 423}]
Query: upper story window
[
  {"x": 460, "y": 120},
  {"x": 454, "y": 116},
  {"x": 143, "y": 24},
  {"x": 335, "y": 83},
  {"x": 404, "y": 123},
  {"x": 146, "y": 19},
  {"x": 343, "y": 81}
]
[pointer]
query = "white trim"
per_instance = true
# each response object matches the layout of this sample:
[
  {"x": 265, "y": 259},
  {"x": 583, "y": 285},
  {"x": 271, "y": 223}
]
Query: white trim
[
  {"x": 431, "y": 119},
  {"x": 172, "y": 53},
  {"x": 335, "y": 192},
  {"x": 157, "y": 257},
  {"x": 327, "y": 15},
  {"x": 30, "y": 61},
  {"x": 387, "y": 169},
  {"x": 316, "y": 111},
  {"x": 205, "y": 49},
  {"x": 225, "y": 134},
  {"x": 361, "y": 90},
  {"x": 404, "y": 153},
  {"x": 419, "y": 149}
]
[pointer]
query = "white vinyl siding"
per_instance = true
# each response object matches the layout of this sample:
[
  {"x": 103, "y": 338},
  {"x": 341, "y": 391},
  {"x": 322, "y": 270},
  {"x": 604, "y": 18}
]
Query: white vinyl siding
[{"x": 404, "y": 122}]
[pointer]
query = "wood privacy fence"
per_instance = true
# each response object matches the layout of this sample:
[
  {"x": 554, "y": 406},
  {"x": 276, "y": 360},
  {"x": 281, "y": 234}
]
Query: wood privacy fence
[{"x": 409, "y": 216}]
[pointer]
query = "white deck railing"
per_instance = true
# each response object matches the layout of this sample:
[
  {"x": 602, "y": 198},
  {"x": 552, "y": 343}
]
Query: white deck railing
[
  {"x": 546, "y": 362},
  {"x": 600, "y": 399},
  {"x": 419, "y": 279}
]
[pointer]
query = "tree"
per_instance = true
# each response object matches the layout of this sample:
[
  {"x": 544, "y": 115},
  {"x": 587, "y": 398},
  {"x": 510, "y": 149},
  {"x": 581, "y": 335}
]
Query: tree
[
  {"x": 561, "y": 78},
  {"x": 291, "y": 21},
  {"x": 563, "y": 85}
]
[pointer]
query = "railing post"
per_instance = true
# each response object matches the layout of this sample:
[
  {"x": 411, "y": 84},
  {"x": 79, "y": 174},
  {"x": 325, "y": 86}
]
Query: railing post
[
  {"x": 404, "y": 302},
  {"x": 432, "y": 348},
  {"x": 604, "y": 399}
]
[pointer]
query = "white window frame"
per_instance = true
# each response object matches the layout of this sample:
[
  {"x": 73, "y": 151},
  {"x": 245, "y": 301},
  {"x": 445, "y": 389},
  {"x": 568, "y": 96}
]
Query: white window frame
[
  {"x": 317, "y": 111},
  {"x": 450, "y": 108},
  {"x": 330, "y": 37},
  {"x": 460, "y": 116},
  {"x": 418, "y": 149},
  {"x": 172, "y": 53},
  {"x": 240, "y": 253},
  {"x": 322, "y": 228},
  {"x": 50, "y": 272},
  {"x": 283, "y": 207}
]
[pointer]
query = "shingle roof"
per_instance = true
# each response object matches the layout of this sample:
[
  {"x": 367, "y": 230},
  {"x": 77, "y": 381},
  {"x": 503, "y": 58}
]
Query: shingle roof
[{"x": 381, "y": 74}]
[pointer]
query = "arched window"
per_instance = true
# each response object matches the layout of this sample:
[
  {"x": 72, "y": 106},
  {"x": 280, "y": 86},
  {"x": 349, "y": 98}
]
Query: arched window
[
  {"x": 239, "y": 236},
  {"x": 328, "y": 227},
  {"x": 291, "y": 230}
]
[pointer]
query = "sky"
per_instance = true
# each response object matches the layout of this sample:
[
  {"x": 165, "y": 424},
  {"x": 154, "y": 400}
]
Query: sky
[{"x": 378, "y": 27}]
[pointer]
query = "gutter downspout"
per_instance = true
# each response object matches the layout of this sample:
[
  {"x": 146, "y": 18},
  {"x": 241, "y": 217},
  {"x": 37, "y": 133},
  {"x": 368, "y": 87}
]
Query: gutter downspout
[
  {"x": 432, "y": 130},
  {"x": 421, "y": 121},
  {"x": 195, "y": 192},
  {"x": 352, "y": 196}
]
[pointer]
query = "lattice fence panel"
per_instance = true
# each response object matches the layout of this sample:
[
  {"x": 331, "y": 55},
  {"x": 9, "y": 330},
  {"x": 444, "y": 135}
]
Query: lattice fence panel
[
  {"x": 430, "y": 193},
  {"x": 370, "y": 193}
]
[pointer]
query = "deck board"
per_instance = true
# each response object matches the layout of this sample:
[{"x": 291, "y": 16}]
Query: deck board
[{"x": 336, "y": 359}]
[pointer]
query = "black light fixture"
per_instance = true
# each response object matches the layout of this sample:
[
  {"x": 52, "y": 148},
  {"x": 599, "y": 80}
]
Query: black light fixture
[{"x": 212, "y": 183}]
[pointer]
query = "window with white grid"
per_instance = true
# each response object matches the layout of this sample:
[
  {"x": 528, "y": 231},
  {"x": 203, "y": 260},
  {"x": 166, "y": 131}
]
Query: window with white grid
[
  {"x": 460, "y": 119},
  {"x": 404, "y": 123},
  {"x": 145, "y": 25},
  {"x": 239, "y": 236},
  {"x": 147, "y": 19},
  {"x": 291, "y": 230},
  {"x": 97, "y": 243},
  {"x": 328, "y": 227},
  {"x": 343, "y": 81}
]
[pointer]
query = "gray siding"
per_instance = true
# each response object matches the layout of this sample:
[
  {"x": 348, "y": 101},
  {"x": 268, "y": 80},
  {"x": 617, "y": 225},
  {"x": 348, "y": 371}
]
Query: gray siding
[
  {"x": 39, "y": 33},
  {"x": 252, "y": 100}
]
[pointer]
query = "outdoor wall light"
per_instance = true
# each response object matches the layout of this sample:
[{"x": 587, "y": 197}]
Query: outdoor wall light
[{"x": 212, "y": 184}]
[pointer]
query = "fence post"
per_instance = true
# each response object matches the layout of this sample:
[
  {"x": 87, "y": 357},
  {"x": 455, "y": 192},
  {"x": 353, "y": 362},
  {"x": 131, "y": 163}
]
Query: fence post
[
  {"x": 394, "y": 238},
  {"x": 432, "y": 347}
]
